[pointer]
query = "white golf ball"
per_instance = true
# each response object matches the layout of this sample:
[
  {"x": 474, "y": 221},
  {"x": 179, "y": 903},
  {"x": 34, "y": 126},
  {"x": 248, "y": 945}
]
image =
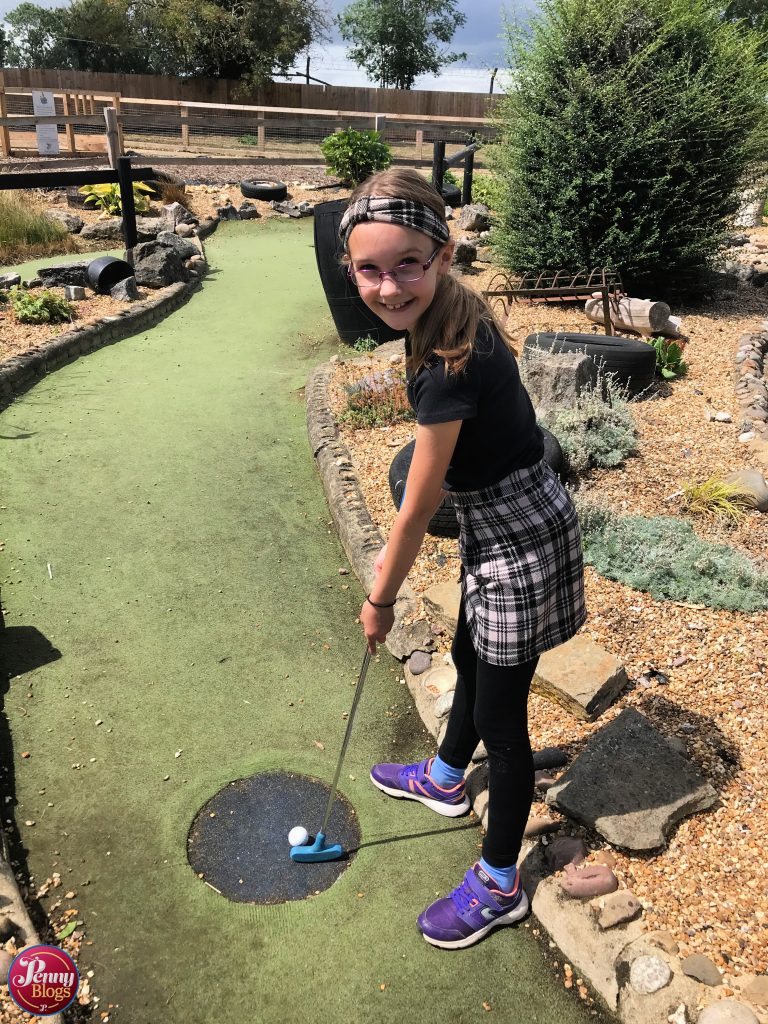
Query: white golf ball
[{"x": 298, "y": 836}]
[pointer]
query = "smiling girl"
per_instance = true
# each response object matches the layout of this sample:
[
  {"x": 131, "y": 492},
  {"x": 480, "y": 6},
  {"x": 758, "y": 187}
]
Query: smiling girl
[{"x": 522, "y": 586}]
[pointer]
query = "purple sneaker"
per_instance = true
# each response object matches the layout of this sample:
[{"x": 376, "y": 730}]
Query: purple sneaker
[
  {"x": 471, "y": 911},
  {"x": 413, "y": 782}
]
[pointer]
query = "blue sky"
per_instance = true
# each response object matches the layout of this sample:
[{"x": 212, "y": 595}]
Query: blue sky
[{"x": 481, "y": 38}]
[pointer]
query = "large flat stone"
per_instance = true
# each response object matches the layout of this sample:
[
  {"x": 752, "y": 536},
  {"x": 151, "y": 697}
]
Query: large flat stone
[
  {"x": 581, "y": 677},
  {"x": 631, "y": 785},
  {"x": 442, "y": 605}
]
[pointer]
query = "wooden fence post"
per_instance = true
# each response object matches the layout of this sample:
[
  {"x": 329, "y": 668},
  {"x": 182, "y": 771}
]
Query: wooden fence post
[
  {"x": 419, "y": 144},
  {"x": 5, "y": 135},
  {"x": 261, "y": 136},
  {"x": 126, "y": 199},
  {"x": 184, "y": 127},
  {"x": 116, "y": 105},
  {"x": 91, "y": 104},
  {"x": 113, "y": 140},
  {"x": 438, "y": 165},
  {"x": 69, "y": 129}
]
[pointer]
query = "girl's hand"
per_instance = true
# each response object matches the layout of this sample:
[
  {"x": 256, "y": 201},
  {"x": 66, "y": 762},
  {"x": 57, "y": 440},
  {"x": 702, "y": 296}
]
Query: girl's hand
[
  {"x": 377, "y": 622},
  {"x": 378, "y": 564}
]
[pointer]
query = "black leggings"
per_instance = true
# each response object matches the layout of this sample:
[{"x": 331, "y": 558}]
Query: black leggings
[{"x": 491, "y": 703}]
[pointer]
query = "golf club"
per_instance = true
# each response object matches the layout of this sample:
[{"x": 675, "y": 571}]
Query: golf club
[{"x": 318, "y": 850}]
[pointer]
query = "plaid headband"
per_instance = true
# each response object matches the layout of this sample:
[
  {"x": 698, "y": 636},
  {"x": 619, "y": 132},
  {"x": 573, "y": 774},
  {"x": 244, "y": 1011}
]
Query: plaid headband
[{"x": 394, "y": 211}]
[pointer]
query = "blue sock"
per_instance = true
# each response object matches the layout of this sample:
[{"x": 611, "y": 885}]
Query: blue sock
[
  {"x": 444, "y": 774},
  {"x": 506, "y": 877}
]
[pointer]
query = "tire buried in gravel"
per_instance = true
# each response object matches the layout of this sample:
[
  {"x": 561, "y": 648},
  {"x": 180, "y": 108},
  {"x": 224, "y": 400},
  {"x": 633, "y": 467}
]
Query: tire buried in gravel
[
  {"x": 444, "y": 522},
  {"x": 264, "y": 188},
  {"x": 632, "y": 362},
  {"x": 451, "y": 195}
]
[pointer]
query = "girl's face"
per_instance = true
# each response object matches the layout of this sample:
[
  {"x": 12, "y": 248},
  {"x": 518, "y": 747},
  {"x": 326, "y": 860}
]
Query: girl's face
[{"x": 377, "y": 246}]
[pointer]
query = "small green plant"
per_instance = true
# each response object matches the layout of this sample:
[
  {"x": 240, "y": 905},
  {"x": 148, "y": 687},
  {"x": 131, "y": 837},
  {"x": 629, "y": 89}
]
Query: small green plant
[
  {"x": 21, "y": 224},
  {"x": 379, "y": 399},
  {"x": 366, "y": 344},
  {"x": 714, "y": 499},
  {"x": 248, "y": 140},
  {"x": 486, "y": 188},
  {"x": 664, "y": 557},
  {"x": 449, "y": 178},
  {"x": 107, "y": 197},
  {"x": 669, "y": 358},
  {"x": 354, "y": 156},
  {"x": 46, "y": 308}
]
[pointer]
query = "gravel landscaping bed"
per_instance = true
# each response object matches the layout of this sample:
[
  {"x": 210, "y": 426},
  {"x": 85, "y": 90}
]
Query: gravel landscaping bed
[{"x": 706, "y": 887}]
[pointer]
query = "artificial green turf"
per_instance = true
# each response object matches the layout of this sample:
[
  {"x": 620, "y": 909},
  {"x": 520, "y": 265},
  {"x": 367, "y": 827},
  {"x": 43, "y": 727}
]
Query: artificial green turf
[{"x": 168, "y": 482}]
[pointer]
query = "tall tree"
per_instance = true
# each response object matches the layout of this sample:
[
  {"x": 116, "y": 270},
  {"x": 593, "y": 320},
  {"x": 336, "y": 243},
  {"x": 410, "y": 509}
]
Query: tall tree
[
  {"x": 35, "y": 37},
  {"x": 395, "y": 41}
]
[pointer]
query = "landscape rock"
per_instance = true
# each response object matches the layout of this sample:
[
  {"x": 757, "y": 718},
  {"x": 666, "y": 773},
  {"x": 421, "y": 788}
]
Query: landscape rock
[
  {"x": 64, "y": 274},
  {"x": 185, "y": 230},
  {"x": 419, "y": 662},
  {"x": 754, "y": 487},
  {"x": 605, "y": 857},
  {"x": 618, "y": 908},
  {"x": 581, "y": 676},
  {"x": 444, "y": 704},
  {"x": 5, "y": 963},
  {"x": 227, "y": 212},
  {"x": 680, "y": 1016},
  {"x": 538, "y": 826},
  {"x": 70, "y": 220},
  {"x": 9, "y": 280},
  {"x": 544, "y": 780},
  {"x": 565, "y": 850},
  {"x": 125, "y": 290},
  {"x": 589, "y": 881},
  {"x": 648, "y": 974},
  {"x": 186, "y": 250},
  {"x": 702, "y": 969},
  {"x": 248, "y": 211},
  {"x": 465, "y": 252},
  {"x": 757, "y": 991},
  {"x": 441, "y": 603},
  {"x": 475, "y": 217},
  {"x": 34, "y": 282},
  {"x": 109, "y": 230},
  {"x": 727, "y": 1011},
  {"x": 630, "y": 785},
  {"x": 549, "y": 757},
  {"x": 159, "y": 268},
  {"x": 175, "y": 213},
  {"x": 74, "y": 293},
  {"x": 438, "y": 680},
  {"x": 147, "y": 228},
  {"x": 554, "y": 380}
]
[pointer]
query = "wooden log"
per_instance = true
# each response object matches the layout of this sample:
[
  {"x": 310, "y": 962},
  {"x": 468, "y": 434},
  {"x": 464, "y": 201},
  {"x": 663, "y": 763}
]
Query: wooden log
[{"x": 640, "y": 315}]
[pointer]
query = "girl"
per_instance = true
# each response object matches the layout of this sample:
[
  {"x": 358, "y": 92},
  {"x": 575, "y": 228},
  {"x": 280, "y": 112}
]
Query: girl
[{"x": 521, "y": 563}]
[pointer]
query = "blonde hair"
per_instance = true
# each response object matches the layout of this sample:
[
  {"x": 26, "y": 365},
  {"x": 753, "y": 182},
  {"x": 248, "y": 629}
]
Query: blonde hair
[{"x": 449, "y": 326}]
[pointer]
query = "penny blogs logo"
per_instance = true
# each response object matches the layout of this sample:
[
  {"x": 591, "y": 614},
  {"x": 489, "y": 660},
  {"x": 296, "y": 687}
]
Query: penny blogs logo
[{"x": 43, "y": 980}]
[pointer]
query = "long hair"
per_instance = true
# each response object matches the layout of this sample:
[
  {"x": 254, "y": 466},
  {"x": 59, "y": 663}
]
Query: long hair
[{"x": 449, "y": 326}]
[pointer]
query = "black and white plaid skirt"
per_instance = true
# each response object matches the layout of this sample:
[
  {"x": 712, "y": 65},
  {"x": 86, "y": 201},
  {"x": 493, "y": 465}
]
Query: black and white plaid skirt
[{"x": 522, "y": 569}]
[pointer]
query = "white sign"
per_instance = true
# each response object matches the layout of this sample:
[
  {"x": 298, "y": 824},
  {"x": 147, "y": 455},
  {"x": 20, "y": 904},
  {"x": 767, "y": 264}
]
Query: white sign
[{"x": 47, "y": 134}]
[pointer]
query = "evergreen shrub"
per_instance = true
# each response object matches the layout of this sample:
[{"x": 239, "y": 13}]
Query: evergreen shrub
[
  {"x": 631, "y": 129},
  {"x": 354, "y": 156},
  {"x": 664, "y": 557}
]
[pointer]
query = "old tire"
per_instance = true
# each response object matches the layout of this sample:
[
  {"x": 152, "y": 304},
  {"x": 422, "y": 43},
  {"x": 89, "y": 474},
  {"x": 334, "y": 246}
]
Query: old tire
[
  {"x": 76, "y": 199},
  {"x": 632, "y": 362},
  {"x": 444, "y": 522},
  {"x": 264, "y": 188},
  {"x": 451, "y": 195}
]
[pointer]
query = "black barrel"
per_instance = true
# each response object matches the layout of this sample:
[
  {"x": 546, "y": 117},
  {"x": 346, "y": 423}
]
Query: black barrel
[{"x": 352, "y": 317}]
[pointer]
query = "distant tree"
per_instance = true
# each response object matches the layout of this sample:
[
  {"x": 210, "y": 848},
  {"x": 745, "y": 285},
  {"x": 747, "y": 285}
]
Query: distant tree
[
  {"x": 246, "y": 40},
  {"x": 3, "y": 44},
  {"x": 395, "y": 41},
  {"x": 752, "y": 13}
]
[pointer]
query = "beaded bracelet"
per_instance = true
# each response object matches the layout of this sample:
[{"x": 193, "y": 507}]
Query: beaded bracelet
[{"x": 375, "y": 605}]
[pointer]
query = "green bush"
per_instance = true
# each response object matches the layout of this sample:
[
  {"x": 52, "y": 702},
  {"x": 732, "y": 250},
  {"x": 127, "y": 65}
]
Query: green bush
[
  {"x": 377, "y": 400},
  {"x": 354, "y": 156},
  {"x": 669, "y": 358},
  {"x": 46, "y": 308},
  {"x": 108, "y": 199},
  {"x": 366, "y": 344},
  {"x": 598, "y": 431},
  {"x": 633, "y": 127},
  {"x": 248, "y": 140},
  {"x": 664, "y": 557}
]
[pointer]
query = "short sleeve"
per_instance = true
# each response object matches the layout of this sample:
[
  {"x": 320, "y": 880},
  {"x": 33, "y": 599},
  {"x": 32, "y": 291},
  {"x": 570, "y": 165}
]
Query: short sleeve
[{"x": 440, "y": 398}]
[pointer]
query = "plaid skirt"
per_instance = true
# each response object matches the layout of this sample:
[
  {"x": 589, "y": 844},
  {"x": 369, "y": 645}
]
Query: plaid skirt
[{"x": 522, "y": 569}]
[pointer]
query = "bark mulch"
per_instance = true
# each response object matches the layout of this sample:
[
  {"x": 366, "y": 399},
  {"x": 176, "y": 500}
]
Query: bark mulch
[{"x": 708, "y": 886}]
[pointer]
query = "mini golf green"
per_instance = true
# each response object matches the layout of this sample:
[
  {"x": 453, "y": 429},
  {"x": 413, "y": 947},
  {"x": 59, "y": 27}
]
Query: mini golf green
[{"x": 193, "y": 630}]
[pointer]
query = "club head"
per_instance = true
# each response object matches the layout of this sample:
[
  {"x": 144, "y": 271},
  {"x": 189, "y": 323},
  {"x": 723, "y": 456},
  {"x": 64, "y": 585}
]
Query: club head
[{"x": 317, "y": 851}]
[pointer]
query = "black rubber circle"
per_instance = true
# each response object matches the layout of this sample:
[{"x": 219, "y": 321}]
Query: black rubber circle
[
  {"x": 238, "y": 842},
  {"x": 632, "y": 362},
  {"x": 451, "y": 194}
]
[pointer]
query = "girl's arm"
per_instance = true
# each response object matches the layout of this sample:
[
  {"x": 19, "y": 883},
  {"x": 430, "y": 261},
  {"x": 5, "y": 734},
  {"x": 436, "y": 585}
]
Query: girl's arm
[{"x": 432, "y": 455}]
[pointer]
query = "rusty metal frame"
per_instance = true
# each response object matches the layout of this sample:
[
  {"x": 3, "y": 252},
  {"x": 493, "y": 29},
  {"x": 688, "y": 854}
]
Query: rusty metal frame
[{"x": 556, "y": 286}]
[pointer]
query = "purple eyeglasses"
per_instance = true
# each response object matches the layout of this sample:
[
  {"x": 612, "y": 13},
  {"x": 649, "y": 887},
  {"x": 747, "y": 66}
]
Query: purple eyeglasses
[{"x": 405, "y": 273}]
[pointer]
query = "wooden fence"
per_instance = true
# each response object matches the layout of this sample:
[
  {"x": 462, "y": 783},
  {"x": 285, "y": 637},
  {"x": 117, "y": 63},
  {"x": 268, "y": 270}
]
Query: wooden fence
[{"x": 275, "y": 94}]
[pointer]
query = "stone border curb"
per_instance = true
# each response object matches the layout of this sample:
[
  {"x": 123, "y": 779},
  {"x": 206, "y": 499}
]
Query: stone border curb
[
  {"x": 359, "y": 535},
  {"x": 19, "y": 373},
  {"x": 602, "y": 957}
]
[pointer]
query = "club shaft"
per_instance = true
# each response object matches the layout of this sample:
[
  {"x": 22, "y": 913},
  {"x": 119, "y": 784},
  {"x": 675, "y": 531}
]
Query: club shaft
[{"x": 350, "y": 720}]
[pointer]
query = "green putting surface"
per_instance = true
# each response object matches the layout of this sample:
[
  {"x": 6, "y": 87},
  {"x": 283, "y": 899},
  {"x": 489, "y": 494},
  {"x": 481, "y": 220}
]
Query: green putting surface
[{"x": 197, "y": 608}]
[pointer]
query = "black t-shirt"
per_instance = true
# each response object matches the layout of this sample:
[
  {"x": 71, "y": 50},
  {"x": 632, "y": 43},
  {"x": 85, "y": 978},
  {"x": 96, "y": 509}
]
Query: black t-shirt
[{"x": 499, "y": 433}]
